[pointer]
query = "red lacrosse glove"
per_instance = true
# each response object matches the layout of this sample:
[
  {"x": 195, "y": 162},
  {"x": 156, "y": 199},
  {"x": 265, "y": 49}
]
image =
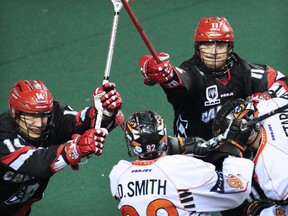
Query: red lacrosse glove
[
  {"x": 119, "y": 119},
  {"x": 109, "y": 96},
  {"x": 154, "y": 72},
  {"x": 91, "y": 142}
]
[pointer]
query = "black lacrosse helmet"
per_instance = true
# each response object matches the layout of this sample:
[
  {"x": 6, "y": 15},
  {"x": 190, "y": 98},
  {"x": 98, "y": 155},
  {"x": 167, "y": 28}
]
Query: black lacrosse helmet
[{"x": 146, "y": 135}]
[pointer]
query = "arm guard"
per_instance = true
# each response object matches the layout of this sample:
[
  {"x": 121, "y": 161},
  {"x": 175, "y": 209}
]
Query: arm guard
[{"x": 190, "y": 145}]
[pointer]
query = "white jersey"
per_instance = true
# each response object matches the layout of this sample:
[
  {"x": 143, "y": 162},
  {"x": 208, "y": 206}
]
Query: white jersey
[
  {"x": 272, "y": 155},
  {"x": 270, "y": 170},
  {"x": 179, "y": 185},
  {"x": 275, "y": 210}
]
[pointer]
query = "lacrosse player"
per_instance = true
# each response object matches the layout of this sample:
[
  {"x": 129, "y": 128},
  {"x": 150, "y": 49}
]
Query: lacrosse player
[
  {"x": 32, "y": 137},
  {"x": 160, "y": 184},
  {"x": 203, "y": 83},
  {"x": 269, "y": 139}
]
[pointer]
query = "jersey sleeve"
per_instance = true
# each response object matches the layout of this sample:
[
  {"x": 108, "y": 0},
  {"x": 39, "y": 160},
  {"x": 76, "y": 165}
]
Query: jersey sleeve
[
  {"x": 274, "y": 210},
  {"x": 64, "y": 123},
  {"x": 228, "y": 189},
  {"x": 275, "y": 76},
  {"x": 37, "y": 162},
  {"x": 222, "y": 190},
  {"x": 178, "y": 97},
  {"x": 264, "y": 77}
]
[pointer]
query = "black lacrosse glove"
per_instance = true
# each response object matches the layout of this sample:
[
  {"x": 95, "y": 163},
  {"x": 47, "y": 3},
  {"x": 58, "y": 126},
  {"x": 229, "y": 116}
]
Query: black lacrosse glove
[
  {"x": 255, "y": 208},
  {"x": 234, "y": 144},
  {"x": 190, "y": 145}
]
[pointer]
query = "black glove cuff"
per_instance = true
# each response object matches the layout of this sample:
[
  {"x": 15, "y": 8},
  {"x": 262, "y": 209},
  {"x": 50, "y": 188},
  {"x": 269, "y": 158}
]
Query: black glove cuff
[
  {"x": 237, "y": 144},
  {"x": 255, "y": 208},
  {"x": 174, "y": 82},
  {"x": 175, "y": 146}
]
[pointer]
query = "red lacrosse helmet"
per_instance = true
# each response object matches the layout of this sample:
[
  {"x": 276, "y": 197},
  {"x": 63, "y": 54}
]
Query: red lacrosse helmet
[
  {"x": 214, "y": 29},
  {"x": 33, "y": 98},
  {"x": 30, "y": 96}
]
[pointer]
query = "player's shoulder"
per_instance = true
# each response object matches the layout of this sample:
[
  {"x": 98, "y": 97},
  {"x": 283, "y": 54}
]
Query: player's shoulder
[
  {"x": 265, "y": 106},
  {"x": 60, "y": 105},
  {"x": 175, "y": 160},
  {"x": 193, "y": 170},
  {"x": 5, "y": 118},
  {"x": 249, "y": 65},
  {"x": 6, "y": 126},
  {"x": 120, "y": 167},
  {"x": 122, "y": 164}
]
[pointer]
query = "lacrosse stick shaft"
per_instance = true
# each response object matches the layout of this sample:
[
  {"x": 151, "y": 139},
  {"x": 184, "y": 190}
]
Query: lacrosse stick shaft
[
  {"x": 141, "y": 31},
  {"x": 212, "y": 143},
  {"x": 267, "y": 115},
  {"x": 99, "y": 118},
  {"x": 97, "y": 99},
  {"x": 111, "y": 48}
]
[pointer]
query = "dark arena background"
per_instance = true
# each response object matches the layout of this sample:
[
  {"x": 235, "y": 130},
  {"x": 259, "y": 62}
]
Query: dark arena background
[{"x": 65, "y": 44}]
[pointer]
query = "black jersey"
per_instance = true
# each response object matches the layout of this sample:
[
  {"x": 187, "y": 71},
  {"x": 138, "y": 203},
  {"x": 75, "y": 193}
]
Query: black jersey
[
  {"x": 200, "y": 95},
  {"x": 25, "y": 170}
]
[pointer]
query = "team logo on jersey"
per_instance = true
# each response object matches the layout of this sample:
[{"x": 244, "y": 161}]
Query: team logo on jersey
[{"x": 212, "y": 96}]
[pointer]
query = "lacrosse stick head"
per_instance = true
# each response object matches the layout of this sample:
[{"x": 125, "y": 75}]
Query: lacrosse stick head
[
  {"x": 237, "y": 108},
  {"x": 117, "y": 5}
]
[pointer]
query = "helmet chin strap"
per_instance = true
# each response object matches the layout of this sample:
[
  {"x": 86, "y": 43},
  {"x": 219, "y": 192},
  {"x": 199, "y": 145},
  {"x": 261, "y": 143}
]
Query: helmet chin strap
[
  {"x": 226, "y": 67},
  {"x": 214, "y": 72}
]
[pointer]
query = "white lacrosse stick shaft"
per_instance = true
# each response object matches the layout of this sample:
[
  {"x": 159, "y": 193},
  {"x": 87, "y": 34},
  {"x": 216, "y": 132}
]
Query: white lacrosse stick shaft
[
  {"x": 97, "y": 102},
  {"x": 117, "y": 7},
  {"x": 99, "y": 108}
]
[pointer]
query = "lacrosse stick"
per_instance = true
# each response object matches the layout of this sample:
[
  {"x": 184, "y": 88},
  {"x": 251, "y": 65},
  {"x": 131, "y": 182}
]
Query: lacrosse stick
[
  {"x": 140, "y": 30},
  {"x": 97, "y": 102},
  {"x": 213, "y": 143}
]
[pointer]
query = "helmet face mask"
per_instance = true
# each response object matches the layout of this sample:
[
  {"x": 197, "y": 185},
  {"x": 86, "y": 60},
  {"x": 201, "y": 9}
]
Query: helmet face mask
[
  {"x": 146, "y": 135},
  {"x": 32, "y": 125},
  {"x": 214, "y": 54},
  {"x": 31, "y": 105},
  {"x": 218, "y": 32}
]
